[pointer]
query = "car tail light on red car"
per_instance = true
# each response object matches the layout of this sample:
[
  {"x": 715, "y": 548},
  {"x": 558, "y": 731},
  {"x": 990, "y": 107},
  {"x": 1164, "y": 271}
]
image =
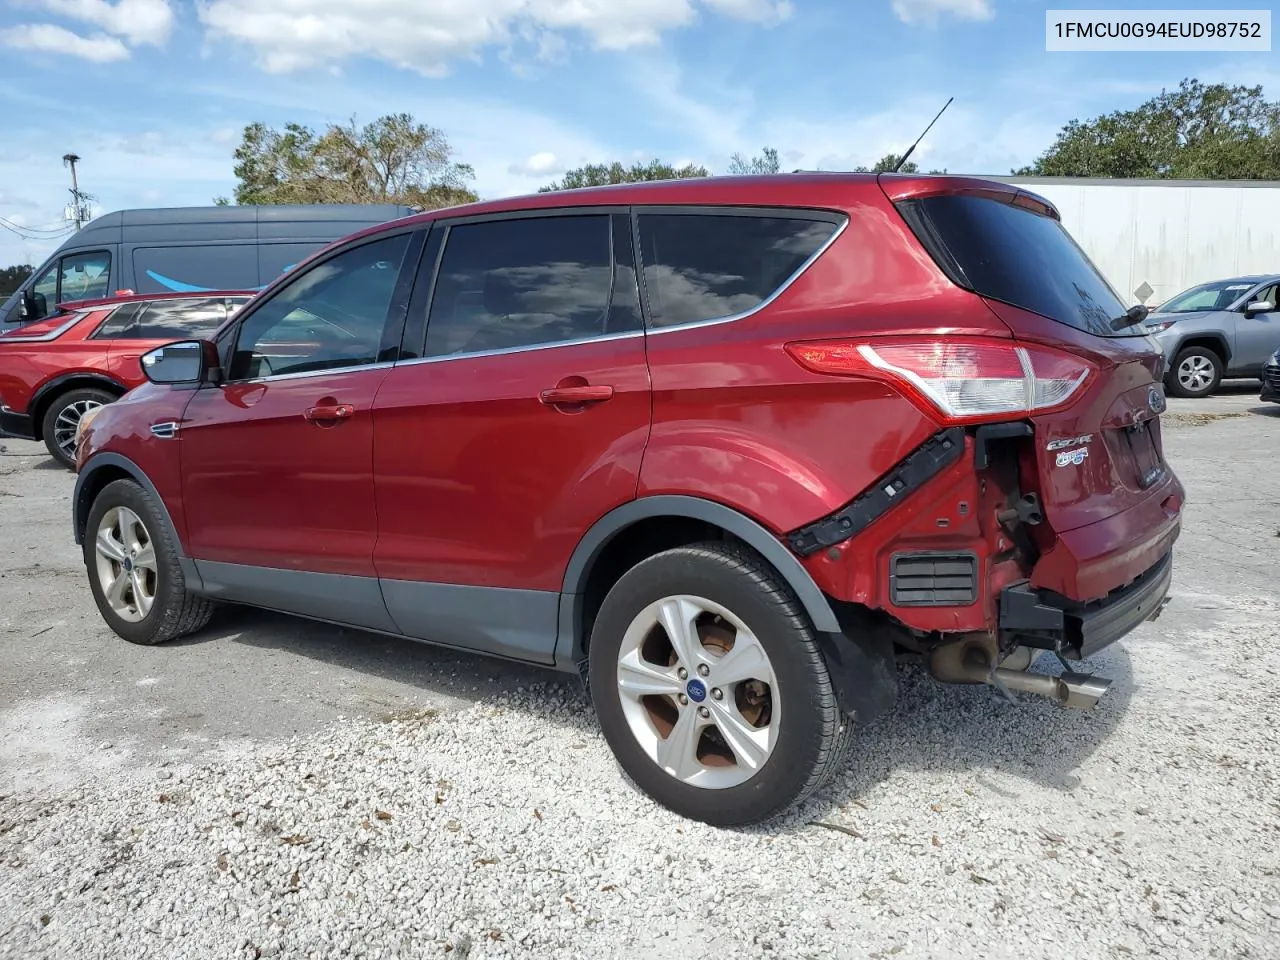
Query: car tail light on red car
[{"x": 958, "y": 379}]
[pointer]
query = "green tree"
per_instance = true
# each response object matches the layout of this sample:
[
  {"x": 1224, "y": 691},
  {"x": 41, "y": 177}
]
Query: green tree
[
  {"x": 1199, "y": 131},
  {"x": 767, "y": 162},
  {"x": 394, "y": 159},
  {"x": 600, "y": 174},
  {"x": 890, "y": 160},
  {"x": 11, "y": 278}
]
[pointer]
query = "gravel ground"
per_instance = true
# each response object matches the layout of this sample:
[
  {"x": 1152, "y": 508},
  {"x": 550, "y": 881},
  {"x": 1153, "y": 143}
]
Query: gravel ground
[{"x": 299, "y": 799}]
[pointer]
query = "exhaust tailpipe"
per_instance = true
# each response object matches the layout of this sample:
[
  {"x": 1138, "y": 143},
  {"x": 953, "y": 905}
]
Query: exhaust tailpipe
[
  {"x": 966, "y": 663},
  {"x": 1079, "y": 690}
]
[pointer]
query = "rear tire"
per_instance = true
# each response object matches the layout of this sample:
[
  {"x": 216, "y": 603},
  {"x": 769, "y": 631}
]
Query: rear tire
[
  {"x": 735, "y": 751},
  {"x": 131, "y": 556},
  {"x": 63, "y": 416},
  {"x": 1196, "y": 372}
]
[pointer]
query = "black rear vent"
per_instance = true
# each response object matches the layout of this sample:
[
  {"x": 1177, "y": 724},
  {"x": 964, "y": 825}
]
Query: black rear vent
[{"x": 933, "y": 579}]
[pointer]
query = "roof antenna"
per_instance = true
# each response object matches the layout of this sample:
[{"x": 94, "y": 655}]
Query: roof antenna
[{"x": 921, "y": 137}]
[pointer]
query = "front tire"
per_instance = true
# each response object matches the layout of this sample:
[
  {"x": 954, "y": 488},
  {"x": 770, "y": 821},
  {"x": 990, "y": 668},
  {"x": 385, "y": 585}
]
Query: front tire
[
  {"x": 1196, "y": 372},
  {"x": 710, "y": 687},
  {"x": 131, "y": 555}
]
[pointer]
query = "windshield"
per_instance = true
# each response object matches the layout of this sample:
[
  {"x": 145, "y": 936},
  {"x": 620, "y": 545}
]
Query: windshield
[
  {"x": 1013, "y": 254},
  {"x": 1218, "y": 295}
]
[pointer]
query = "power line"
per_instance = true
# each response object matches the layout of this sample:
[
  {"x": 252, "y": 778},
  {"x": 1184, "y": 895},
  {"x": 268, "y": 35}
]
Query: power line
[
  {"x": 62, "y": 227},
  {"x": 22, "y": 231}
]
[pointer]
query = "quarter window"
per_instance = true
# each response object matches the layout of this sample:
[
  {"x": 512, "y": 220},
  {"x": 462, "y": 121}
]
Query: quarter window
[
  {"x": 331, "y": 316},
  {"x": 507, "y": 284},
  {"x": 701, "y": 267}
]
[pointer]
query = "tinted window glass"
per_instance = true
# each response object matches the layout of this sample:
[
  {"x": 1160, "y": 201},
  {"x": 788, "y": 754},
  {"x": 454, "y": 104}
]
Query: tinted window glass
[
  {"x": 119, "y": 323},
  {"x": 518, "y": 283},
  {"x": 332, "y": 315},
  {"x": 180, "y": 319},
  {"x": 277, "y": 258},
  {"x": 1024, "y": 258},
  {"x": 197, "y": 268},
  {"x": 168, "y": 319},
  {"x": 707, "y": 266}
]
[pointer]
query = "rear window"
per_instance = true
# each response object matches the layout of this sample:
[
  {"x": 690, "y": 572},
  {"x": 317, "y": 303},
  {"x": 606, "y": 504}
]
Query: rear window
[
  {"x": 1013, "y": 254},
  {"x": 701, "y": 266}
]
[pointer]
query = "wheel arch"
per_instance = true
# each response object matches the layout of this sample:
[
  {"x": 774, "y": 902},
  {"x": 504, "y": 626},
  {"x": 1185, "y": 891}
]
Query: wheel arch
[
  {"x": 51, "y": 389},
  {"x": 673, "y": 520},
  {"x": 1217, "y": 342},
  {"x": 100, "y": 470}
]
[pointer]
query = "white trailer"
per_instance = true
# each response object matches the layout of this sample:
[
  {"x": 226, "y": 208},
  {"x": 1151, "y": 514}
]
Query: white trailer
[{"x": 1167, "y": 235}]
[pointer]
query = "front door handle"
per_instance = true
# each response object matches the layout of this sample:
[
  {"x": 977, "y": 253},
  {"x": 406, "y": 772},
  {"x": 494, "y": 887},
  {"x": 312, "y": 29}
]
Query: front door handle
[
  {"x": 329, "y": 412},
  {"x": 586, "y": 393}
]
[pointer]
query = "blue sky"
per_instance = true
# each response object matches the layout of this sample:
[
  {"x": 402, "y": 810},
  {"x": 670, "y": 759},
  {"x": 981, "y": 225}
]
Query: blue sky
[{"x": 153, "y": 94}]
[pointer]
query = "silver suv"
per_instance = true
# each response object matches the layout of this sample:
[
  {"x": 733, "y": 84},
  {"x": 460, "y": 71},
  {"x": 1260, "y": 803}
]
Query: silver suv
[{"x": 1227, "y": 328}]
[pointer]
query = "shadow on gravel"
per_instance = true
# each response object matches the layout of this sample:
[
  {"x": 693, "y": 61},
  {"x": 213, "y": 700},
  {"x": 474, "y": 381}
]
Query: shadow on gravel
[
  {"x": 434, "y": 670},
  {"x": 971, "y": 730},
  {"x": 966, "y": 730}
]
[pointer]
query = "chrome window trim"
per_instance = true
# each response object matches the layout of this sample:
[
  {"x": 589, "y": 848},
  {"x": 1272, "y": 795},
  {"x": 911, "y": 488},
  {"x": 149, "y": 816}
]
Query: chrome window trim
[
  {"x": 309, "y": 374},
  {"x": 54, "y": 334},
  {"x": 603, "y": 338},
  {"x": 551, "y": 344},
  {"x": 786, "y": 284}
]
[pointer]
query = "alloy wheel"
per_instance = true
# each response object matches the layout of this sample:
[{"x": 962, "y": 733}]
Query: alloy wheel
[
  {"x": 126, "y": 564},
  {"x": 698, "y": 692},
  {"x": 64, "y": 427},
  {"x": 1195, "y": 373}
]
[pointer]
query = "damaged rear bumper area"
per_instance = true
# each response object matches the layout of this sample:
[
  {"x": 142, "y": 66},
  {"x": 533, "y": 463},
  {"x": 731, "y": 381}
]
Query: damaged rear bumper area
[
  {"x": 1036, "y": 620},
  {"x": 1076, "y": 631}
]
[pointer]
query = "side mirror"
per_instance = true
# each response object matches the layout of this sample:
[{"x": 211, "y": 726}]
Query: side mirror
[
  {"x": 1260, "y": 306},
  {"x": 34, "y": 306},
  {"x": 186, "y": 361}
]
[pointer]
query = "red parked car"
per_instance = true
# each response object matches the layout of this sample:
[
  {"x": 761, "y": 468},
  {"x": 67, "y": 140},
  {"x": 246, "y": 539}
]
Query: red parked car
[
  {"x": 86, "y": 354},
  {"x": 723, "y": 446}
]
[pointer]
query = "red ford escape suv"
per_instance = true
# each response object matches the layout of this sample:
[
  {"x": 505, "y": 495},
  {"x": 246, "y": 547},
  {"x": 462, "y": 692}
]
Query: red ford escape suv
[
  {"x": 720, "y": 445},
  {"x": 54, "y": 371}
]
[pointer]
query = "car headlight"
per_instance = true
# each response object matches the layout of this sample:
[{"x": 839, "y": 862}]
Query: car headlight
[{"x": 86, "y": 418}]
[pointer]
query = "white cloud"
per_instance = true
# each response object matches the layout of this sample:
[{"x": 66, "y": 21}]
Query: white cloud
[
  {"x": 291, "y": 35},
  {"x": 761, "y": 11},
  {"x": 48, "y": 38},
  {"x": 539, "y": 165},
  {"x": 136, "y": 21},
  {"x": 930, "y": 11}
]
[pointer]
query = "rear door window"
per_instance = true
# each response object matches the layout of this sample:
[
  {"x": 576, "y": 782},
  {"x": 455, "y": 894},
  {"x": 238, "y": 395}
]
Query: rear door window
[
  {"x": 710, "y": 266},
  {"x": 197, "y": 318},
  {"x": 510, "y": 284},
  {"x": 1016, "y": 255}
]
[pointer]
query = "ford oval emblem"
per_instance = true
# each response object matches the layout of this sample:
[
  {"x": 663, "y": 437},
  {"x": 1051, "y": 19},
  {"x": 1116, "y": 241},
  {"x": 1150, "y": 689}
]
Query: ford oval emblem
[{"x": 1156, "y": 400}]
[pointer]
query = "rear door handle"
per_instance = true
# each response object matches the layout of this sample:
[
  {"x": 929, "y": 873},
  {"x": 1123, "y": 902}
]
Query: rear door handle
[
  {"x": 583, "y": 394},
  {"x": 328, "y": 412}
]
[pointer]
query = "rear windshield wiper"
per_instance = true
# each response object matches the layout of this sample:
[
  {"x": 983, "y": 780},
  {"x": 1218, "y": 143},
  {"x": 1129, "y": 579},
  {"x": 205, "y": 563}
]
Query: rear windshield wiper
[{"x": 1135, "y": 314}]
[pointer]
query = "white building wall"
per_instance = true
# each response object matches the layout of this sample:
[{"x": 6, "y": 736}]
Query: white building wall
[{"x": 1170, "y": 234}]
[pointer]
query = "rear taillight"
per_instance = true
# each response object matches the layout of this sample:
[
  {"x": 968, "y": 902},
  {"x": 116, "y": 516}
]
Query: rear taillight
[{"x": 964, "y": 379}]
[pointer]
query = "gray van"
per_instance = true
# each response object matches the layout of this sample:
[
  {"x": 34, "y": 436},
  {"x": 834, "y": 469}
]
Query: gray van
[{"x": 187, "y": 250}]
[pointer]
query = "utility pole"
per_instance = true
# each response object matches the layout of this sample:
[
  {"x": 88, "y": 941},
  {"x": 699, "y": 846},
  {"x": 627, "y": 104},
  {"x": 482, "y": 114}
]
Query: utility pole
[{"x": 78, "y": 211}]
